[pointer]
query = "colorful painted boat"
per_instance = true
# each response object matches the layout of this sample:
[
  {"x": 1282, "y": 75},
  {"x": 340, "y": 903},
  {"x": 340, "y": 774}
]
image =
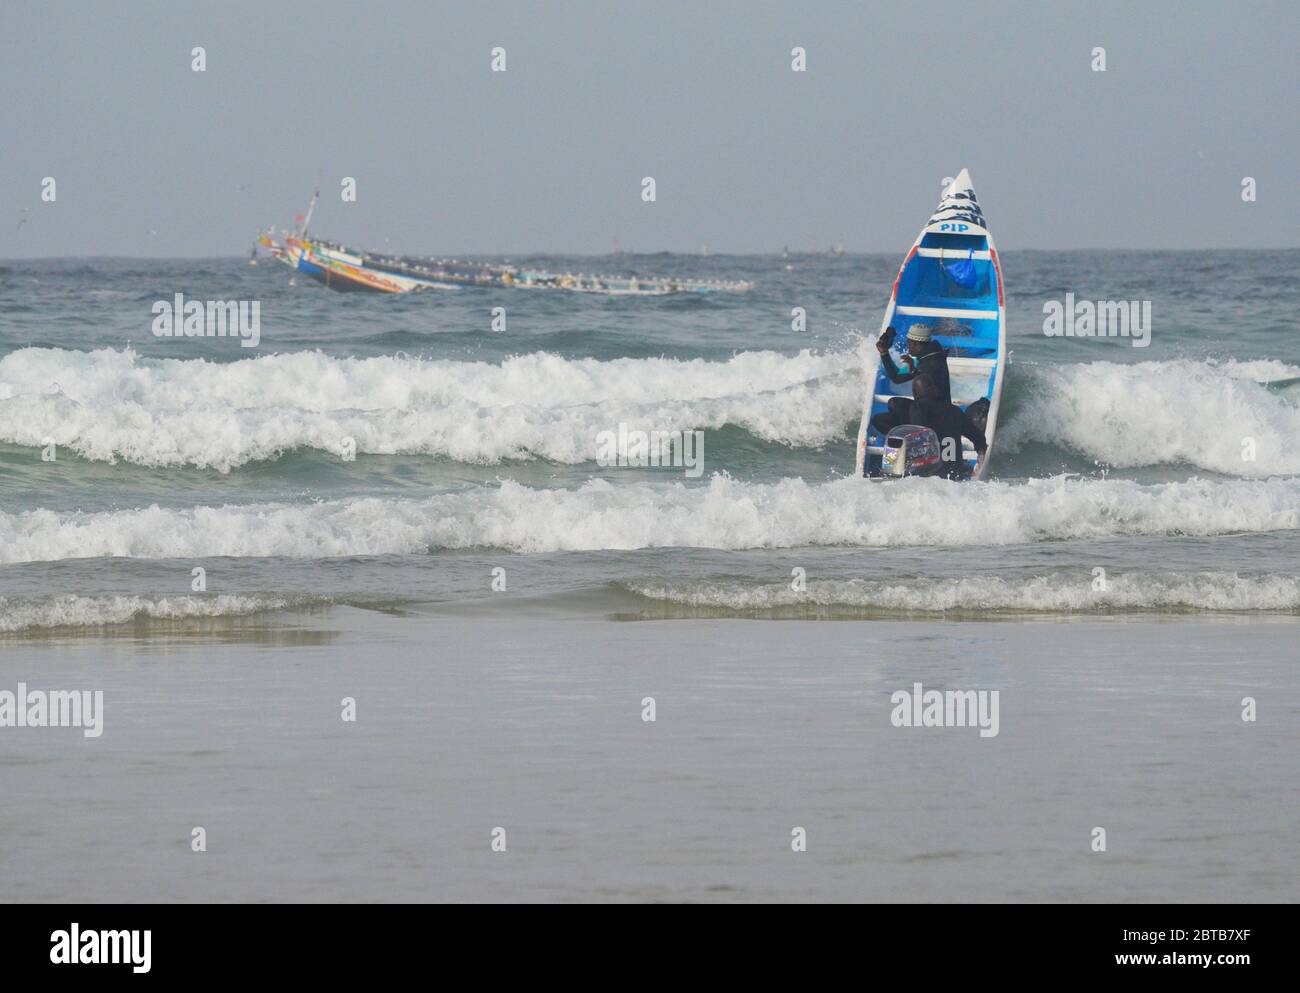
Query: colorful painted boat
[
  {"x": 950, "y": 281},
  {"x": 342, "y": 268}
]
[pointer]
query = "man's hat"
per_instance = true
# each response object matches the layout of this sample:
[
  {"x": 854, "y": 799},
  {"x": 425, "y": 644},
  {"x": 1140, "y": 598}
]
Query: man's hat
[{"x": 918, "y": 332}]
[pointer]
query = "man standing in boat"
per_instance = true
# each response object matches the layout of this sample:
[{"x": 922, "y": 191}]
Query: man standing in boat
[
  {"x": 932, "y": 407},
  {"x": 923, "y": 356}
]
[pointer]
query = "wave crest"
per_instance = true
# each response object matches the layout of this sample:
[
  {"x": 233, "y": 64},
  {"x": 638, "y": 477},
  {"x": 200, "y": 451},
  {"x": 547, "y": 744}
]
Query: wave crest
[
  {"x": 108, "y": 405},
  {"x": 74, "y": 611},
  {"x": 1058, "y": 593},
  {"x": 722, "y": 514},
  {"x": 1157, "y": 413}
]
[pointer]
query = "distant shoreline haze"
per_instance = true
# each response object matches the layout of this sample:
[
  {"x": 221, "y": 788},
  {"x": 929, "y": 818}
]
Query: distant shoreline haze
[{"x": 614, "y": 259}]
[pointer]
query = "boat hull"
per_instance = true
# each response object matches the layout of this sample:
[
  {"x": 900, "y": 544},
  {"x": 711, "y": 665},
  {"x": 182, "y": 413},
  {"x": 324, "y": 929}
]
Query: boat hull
[
  {"x": 342, "y": 272},
  {"x": 951, "y": 282},
  {"x": 344, "y": 269}
]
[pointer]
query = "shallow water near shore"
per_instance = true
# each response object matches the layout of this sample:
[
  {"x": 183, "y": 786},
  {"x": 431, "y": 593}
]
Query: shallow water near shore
[{"x": 535, "y": 726}]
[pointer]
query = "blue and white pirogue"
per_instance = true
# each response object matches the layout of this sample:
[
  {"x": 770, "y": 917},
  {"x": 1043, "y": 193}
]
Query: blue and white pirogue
[{"x": 952, "y": 282}]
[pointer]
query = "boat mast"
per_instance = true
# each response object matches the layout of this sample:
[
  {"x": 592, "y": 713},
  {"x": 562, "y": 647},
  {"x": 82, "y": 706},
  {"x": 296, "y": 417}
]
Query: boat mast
[{"x": 306, "y": 220}]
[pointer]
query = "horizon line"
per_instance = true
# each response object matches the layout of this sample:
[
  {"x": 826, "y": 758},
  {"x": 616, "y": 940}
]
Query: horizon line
[{"x": 818, "y": 253}]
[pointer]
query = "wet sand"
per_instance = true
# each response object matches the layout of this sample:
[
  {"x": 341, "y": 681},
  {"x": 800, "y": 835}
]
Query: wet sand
[{"x": 536, "y": 726}]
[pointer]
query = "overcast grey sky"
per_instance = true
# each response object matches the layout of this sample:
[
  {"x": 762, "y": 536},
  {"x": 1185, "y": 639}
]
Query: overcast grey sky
[{"x": 153, "y": 159}]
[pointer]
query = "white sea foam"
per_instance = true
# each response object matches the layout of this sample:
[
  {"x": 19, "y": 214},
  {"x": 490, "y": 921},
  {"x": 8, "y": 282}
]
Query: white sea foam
[
  {"x": 1151, "y": 413},
  {"x": 21, "y": 614},
  {"x": 723, "y": 513},
  {"x": 1218, "y": 591},
  {"x": 1259, "y": 370},
  {"x": 109, "y": 405}
]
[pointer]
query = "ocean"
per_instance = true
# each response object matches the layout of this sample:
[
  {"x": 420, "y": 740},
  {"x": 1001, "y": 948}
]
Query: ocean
[{"x": 389, "y": 500}]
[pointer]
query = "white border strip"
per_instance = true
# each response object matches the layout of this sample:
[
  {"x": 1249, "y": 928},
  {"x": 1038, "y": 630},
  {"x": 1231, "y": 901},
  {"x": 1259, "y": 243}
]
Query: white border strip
[
  {"x": 956, "y": 254},
  {"x": 973, "y": 315}
]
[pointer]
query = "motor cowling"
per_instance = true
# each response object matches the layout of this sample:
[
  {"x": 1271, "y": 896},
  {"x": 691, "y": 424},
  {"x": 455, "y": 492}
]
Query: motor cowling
[{"x": 911, "y": 450}]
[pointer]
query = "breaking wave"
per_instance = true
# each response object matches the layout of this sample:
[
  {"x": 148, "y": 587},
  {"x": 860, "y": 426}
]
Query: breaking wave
[
  {"x": 73, "y": 611},
  {"x": 1154, "y": 413},
  {"x": 1059, "y": 593},
  {"x": 108, "y": 405},
  {"x": 112, "y": 405},
  {"x": 721, "y": 513}
]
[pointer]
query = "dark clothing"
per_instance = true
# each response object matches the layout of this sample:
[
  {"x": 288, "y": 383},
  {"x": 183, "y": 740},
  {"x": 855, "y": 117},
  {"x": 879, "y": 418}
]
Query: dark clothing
[
  {"x": 947, "y": 421},
  {"x": 899, "y": 412},
  {"x": 933, "y": 362},
  {"x": 950, "y": 423},
  {"x": 978, "y": 412}
]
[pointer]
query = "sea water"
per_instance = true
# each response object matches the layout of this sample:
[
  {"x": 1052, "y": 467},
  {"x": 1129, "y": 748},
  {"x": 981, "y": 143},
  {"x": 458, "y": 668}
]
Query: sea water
[{"x": 390, "y": 502}]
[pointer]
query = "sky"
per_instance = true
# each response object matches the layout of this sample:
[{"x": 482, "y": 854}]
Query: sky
[{"x": 153, "y": 159}]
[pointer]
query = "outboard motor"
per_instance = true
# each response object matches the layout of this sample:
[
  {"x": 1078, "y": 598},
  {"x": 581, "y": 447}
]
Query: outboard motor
[{"x": 911, "y": 450}]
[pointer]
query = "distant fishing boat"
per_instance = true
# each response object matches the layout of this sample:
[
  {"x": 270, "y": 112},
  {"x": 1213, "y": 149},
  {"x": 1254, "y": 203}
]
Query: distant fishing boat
[
  {"x": 340, "y": 269},
  {"x": 343, "y": 268}
]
